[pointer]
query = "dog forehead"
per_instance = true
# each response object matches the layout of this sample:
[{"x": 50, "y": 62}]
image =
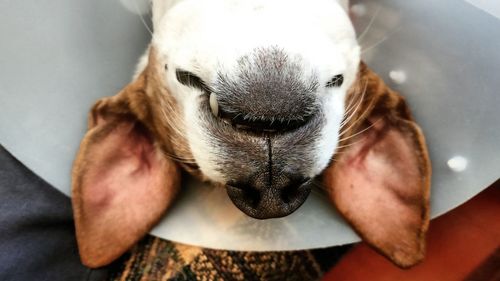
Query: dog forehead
[{"x": 216, "y": 34}]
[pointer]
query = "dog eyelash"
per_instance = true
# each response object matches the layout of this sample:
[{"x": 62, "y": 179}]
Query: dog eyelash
[
  {"x": 336, "y": 81},
  {"x": 191, "y": 80}
]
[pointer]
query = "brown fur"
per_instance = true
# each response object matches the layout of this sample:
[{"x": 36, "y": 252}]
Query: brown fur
[
  {"x": 148, "y": 99},
  {"x": 383, "y": 110},
  {"x": 135, "y": 104}
]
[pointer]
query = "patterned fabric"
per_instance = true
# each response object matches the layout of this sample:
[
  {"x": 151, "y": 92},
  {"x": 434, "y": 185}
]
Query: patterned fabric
[{"x": 157, "y": 259}]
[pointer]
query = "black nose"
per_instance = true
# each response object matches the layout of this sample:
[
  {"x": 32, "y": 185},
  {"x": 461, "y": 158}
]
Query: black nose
[{"x": 269, "y": 202}]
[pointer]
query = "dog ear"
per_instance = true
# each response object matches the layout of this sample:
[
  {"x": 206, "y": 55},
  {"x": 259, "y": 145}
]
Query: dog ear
[
  {"x": 379, "y": 179},
  {"x": 122, "y": 183}
]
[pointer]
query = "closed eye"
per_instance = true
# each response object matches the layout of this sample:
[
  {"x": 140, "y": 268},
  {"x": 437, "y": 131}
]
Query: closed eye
[
  {"x": 191, "y": 80},
  {"x": 336, "y": 81}
]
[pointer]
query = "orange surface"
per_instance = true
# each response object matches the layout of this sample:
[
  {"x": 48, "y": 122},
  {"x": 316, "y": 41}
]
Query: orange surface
[{"x": 458, "y": 242}]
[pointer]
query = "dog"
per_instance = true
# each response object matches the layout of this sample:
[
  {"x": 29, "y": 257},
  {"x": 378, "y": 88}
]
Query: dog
[{"x": 262, "y": 98}]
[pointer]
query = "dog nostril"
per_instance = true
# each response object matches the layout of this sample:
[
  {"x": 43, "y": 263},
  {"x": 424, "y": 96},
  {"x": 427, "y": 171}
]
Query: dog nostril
[
  {"x": 249, "y": 194},
  {"x": 291, "y": 192},
  {"x": 288, "y": 195},
  {"x": 253, "y": 197}
]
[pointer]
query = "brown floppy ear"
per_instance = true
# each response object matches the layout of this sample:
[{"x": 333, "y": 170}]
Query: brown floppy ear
[
  {"x": 121, "y": 183},
  {"x": 380, "y": 177}
]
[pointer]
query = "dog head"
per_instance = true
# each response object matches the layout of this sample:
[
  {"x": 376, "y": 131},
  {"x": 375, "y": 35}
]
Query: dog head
[
  {"x": 262, "y": 89},
  {"x": 261, "y": 100}
]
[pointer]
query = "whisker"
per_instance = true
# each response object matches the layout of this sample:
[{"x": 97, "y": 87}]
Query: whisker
[
  {"x": 355, "y": 99},
  {"x": 320, "y": 187},
  {"x": 175, "y": 129},
  {"x": 141, "y": 17},
  {"x": 362, "y": 131},
  {"x": 319, "y": 191},
  {"x": 352, "y": 114},
  {"x": 367, "y": 28},
  {"x": 168, "y": 119},
  {"x": 179, "y": 159},
  {"x": 354, "y": 95},
  {"x": 361, "y": 116},
  {"x": 345, "y": 146},
  {"x": 380, "y": 41},
  {"x": 354, "y": 109}
]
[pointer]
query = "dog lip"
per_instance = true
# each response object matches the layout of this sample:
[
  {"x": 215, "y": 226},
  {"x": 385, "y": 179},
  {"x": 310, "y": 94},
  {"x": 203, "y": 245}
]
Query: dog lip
[
  {"x": 264, "y": 124},
  {"x": 260, "y": 130},
  {"x": 269, "y": 202}
]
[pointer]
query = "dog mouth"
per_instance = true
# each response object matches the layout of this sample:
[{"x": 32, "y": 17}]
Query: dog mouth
[
  {"x": 247, "y": 123},
  {"x": 266, "y": 161},
  {"x": 262, "y": 126}
]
